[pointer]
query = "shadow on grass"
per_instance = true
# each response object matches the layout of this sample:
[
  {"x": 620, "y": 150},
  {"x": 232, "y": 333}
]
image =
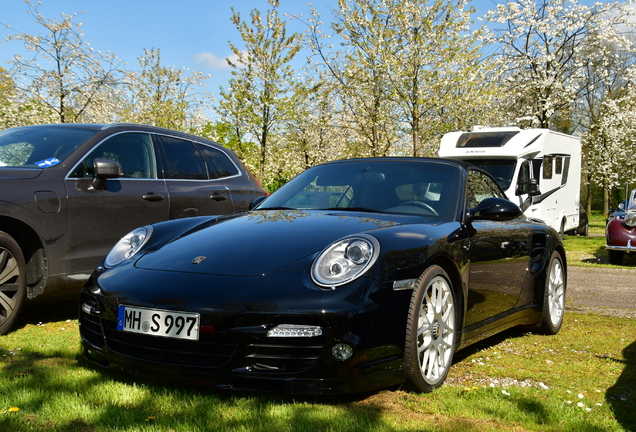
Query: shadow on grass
[
  {"x": 602, "y": 257},
  {"x": 98, "y": 399},
  {"x": 45, "y": 309},
  {"x": 622, "y": 395}
]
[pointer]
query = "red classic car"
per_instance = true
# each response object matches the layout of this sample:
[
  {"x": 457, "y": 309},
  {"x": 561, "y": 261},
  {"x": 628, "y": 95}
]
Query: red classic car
[{"x": 620, "y": 234}]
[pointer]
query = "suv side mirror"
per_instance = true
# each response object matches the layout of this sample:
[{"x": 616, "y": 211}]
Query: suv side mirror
[
  {"x": 495, "y": 209},
  {"x": 105, "y": 169}
]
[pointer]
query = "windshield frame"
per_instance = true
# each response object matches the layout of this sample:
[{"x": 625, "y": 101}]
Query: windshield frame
[{"x": 399, "y": 186}]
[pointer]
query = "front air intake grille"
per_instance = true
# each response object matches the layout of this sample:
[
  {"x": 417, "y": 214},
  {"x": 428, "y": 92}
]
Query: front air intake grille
[
  {"x": 91, "y": 329},
  {"x": 285, "y": 354},
  {"x": 211, "y": 350}
]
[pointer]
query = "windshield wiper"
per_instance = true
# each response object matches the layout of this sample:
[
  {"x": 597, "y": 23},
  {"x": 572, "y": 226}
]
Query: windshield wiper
[{"x": 360, "y": 209}]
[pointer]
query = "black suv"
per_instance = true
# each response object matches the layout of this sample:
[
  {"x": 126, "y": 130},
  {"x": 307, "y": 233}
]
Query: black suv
[{"x": 69, "y": 192}]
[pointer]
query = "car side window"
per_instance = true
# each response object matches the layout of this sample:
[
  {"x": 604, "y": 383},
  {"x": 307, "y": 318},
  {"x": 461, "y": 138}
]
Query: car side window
[
  {"x": 219, "y": 165},
  {"x": 184, "y": 160},
  {"x": 134, "y": 152},
  {"x": 480, "y": 187}
]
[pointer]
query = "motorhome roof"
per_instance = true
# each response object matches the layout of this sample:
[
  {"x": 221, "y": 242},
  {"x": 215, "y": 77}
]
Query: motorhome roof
[{"x": 511, "y": 142}]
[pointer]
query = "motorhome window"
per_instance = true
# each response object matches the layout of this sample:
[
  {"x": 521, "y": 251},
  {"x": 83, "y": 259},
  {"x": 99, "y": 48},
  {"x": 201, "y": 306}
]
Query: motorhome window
[
  {"x": 485, "y": 139},
  {"x": 547, "y": 167},
  {"x": 558, "y": 165},
  {"x": 501, "y": 169}
]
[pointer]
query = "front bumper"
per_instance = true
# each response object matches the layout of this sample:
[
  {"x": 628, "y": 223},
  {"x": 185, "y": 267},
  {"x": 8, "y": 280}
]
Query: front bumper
[
  {"x": 620, "y": 237},
  {"x": 238, "y": 354},
  {"x": 627, "y": 248}
]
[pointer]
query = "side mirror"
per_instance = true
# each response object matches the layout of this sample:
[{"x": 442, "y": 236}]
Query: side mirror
[
  {"x": 495, "y": 209},
  {"x": 105, "y": 169},
  {"x": 257, "y": 201},
  {"x": 531, "y": 187}
]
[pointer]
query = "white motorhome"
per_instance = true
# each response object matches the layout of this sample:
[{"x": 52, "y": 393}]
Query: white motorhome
[{"x": 539, "y": 169}]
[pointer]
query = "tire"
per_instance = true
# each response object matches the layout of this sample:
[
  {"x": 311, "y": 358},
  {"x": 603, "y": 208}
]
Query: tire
[
  {"x": 562, "y": 230},
  {"x": 584, "y": 230},
  {"x": 554, "y": 296},
  {"x": 615, "y": 256},
  {"x": 12, "y": 281},
  {"x": 431, "y": 330}
]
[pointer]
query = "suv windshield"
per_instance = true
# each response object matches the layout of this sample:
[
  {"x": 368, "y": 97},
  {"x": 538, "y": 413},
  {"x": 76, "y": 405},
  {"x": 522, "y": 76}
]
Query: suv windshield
[{"x": 40, "y": 146}]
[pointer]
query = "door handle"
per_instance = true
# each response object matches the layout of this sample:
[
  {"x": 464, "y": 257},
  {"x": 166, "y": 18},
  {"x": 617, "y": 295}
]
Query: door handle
[
  {"x": 151, "y": 196},
  {"x": 218, "y": 197}
]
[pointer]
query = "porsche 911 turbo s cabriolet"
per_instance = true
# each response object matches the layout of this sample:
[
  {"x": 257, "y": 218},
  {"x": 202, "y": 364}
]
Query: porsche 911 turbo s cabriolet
[{"x": 355, "y": 276}]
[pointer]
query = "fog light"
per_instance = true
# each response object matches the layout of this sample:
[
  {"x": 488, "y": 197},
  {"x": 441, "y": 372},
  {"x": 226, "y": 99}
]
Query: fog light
[
  {"x": 294, "y": 330},
  {"x": 341, "y": 352}
]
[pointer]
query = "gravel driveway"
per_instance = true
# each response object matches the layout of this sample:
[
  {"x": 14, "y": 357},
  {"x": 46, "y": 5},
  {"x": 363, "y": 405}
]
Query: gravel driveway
[{"x": 604, "y": 291}]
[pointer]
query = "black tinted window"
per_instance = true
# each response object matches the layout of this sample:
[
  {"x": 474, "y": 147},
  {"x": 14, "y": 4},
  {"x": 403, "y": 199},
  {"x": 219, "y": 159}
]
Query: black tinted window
[
  {"x": 485, "y": 139},
  {"x": 133, "y": 151},
  {"x": 219, "y": 165},
  {"x": 184, "y": 160}
]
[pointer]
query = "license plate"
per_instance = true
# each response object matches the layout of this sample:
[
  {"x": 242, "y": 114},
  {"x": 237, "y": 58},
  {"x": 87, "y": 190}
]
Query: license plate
[{"x": 156, "y": 322}]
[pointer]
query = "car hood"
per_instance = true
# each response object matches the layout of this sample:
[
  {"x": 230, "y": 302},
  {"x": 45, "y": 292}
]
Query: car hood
[
  {"x": 7, "y": 173},
  {"x": 261, "y": 242}
]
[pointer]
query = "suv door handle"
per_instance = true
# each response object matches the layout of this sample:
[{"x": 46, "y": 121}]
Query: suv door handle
[
  {"x": 151, "y": 196},
  {"x": 216, "y": 197}
]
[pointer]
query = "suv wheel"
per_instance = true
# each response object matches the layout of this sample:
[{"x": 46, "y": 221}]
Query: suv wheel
[{"x": 12, "y": 281}]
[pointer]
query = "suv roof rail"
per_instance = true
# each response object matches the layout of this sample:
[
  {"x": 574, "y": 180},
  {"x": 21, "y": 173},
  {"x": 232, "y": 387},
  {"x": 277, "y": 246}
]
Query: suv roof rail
[{"x": 122, "y": 124}]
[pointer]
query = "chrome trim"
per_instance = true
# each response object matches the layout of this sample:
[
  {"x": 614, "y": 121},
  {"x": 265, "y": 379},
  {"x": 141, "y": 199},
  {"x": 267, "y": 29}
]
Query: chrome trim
[
  {"x": 67, "y": 177},
  {"x": 628, "y": 247},
  {"x": 192, "y": 138}
]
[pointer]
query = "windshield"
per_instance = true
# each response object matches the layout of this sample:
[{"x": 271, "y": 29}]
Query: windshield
[
  {"x": 630, "y": 204},
  {"x": 39, "y": 146},
  {"x": 501, "y": 169},
  {"x": 421, "y": 187}
]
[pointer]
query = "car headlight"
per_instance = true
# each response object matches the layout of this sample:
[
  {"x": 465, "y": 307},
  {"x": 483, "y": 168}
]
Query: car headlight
[
  {"x": 345, "y": 260},
  {"x": 128, "y": 246},
  {"x": 630, "y": 219}
]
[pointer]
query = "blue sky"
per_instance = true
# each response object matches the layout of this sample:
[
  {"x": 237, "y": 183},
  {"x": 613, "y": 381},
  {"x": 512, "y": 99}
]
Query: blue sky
[{"x": 191, "y": 34}]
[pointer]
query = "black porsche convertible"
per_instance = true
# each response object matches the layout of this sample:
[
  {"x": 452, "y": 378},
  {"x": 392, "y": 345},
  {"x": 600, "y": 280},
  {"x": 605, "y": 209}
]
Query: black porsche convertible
[{"x": 356, "y": 275}]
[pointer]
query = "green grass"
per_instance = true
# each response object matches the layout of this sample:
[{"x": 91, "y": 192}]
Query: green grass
[
  {"x": 590, "y": 251},
  {"x": 516, "y": 381},
  {"x": 596, "y": 223}
]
